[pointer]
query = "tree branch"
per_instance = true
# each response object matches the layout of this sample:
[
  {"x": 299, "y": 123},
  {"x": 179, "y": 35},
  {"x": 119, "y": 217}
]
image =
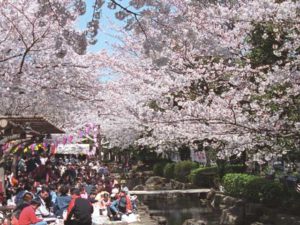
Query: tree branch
[{"x": 135, "y": 15}]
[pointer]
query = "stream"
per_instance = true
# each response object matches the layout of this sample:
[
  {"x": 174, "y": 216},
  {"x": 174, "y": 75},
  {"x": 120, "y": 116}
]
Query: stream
[{"x": 177, "y": 210}]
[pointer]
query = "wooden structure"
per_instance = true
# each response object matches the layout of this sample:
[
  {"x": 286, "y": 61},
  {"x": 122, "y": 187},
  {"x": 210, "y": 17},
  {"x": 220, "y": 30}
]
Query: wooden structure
[{"x": 34, "y": 125}]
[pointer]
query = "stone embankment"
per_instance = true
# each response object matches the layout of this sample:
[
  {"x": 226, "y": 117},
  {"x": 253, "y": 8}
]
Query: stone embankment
[
  {"x": 238, "y": 212},
  {"x": 147, "y": 219},
  {"x": 194, "y": 222}
]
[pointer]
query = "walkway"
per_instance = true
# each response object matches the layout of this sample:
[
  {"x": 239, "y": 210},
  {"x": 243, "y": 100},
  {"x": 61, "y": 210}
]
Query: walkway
[{"x": 156, "y": 192}]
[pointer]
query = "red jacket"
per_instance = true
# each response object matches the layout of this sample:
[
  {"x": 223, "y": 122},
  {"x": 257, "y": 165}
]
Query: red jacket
[
  {"x": 128, "y": 204},
  {"x": 28, "y": 216}
]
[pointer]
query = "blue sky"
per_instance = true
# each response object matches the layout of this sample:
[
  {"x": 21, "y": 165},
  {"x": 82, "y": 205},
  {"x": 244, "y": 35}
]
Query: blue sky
[
  {"x": 105, "y": 40},
  {"x": 107, "y": 16}
]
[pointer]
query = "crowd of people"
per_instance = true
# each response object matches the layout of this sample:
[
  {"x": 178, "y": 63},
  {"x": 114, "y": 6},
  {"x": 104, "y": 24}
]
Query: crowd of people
[{"x": 70, "y": 188}]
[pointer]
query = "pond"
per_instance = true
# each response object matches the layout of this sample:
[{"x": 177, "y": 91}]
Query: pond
[{"x": 177, "y": 210}]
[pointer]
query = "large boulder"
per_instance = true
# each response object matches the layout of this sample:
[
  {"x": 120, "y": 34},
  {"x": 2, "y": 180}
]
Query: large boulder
[
  {"x": 217, "y": 200},
  {"x": 229, "y": 218},
  {"x": 176, "y": 185},
  {"x": 139, "y": 188},
  {"x": 156, "y": 183},
  {"x": 234, "y": 215},
  {"x": 156, "y": 180},
  {"x": 194, "y": 222},
  {"x": 229, "y": 201},
  {"x": 160, "y": 220}
]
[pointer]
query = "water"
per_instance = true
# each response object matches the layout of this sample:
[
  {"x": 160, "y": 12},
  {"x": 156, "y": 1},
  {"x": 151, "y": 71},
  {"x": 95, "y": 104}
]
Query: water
[{"x": 177, "y": 210}]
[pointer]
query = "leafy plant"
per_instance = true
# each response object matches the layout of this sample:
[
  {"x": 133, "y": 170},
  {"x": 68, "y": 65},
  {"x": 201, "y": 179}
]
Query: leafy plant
[
  {"x": 158, "y": 168},
  {"x": 169, "y": 170},
  {"x": 203, "y": 177},
  {"x": 253, "y": 188},
  {"x": 182, "y": 170}
]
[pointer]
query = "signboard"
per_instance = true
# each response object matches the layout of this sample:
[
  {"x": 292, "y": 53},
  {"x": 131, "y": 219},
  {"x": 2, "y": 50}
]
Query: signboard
[{"x": 75, "y": 149}]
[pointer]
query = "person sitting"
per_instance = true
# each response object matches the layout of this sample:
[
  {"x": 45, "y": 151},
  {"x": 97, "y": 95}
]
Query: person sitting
[
  {"x": 19, "y": 193},
  {"x": 80, "y": 210},
  {"x": 28, "y": 217},
  {"x": 104, "y": 203},
  {"x": 92, "y": 197},
  {"x": 120, "y": 206},
  {"x": 26, "y": 200},
  {"x": 62, "y": 201},
  {"x": 83, "y": 193},
  {"x": 115, "y": 192},
  {"x": 100, "y": 191},
  {"x": 89, "y": 187},
  {"x": 44, "y": 210},
  {"x": 43, "y": 195}
]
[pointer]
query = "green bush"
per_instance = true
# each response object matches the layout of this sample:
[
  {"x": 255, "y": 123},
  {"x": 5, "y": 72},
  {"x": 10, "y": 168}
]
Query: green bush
[
  {"x": 182, "y": 170},
  {"x": 169, "y": 170},
  {"x": 158, "y": 168},
  {"x": 234, "y": 183},
  {"x": 253, "y": 188},
  {"x": 204, "y": 176},
  {"x": 235, "y": 168},
  {"x": 230, "y": 168}
]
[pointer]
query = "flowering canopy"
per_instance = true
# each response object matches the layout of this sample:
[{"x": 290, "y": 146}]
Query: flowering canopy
[
  {"x": 44, "y": 68},
  {"x": 214, "y": 74},
  {"x": 224, "y": 75}
]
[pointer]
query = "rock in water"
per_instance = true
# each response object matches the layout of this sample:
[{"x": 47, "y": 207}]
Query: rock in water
[{"x": 194, "y": 222}]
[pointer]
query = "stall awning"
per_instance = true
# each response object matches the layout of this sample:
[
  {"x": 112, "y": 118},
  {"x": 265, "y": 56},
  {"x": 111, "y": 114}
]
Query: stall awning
[{"x": 30, "y": 125}]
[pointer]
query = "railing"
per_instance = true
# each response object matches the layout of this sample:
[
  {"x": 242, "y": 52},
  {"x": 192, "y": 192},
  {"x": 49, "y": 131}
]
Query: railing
[{"x": 157, "y": 192}]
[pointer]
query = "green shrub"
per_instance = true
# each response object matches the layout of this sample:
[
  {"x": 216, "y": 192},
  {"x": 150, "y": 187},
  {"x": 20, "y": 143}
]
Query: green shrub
[
  {"x": 204, "y": 176},
  {"x": 253, "y": 188},
  {"x": 182, "y": 170},
  {"x": 158, "y": 168},
  {"x": 169, "y": 170},
  {"x": 234, "y": 183},
  {"x": 235, "y": 168},
  {"x": 230, "y": 168},
  {"x": 265, "y": 191}
]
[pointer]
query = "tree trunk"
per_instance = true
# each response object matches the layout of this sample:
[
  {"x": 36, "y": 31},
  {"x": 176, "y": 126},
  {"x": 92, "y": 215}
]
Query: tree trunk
[
  {"x": 2, "y": 178},
  {"x": 14, "y": 165}
]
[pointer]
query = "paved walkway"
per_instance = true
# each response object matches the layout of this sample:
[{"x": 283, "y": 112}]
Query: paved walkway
[{"x": 156, "y": 192}]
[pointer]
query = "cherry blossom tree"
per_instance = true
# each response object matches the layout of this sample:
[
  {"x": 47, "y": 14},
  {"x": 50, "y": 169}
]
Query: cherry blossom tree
[
  {"x": 45, "y": 69},
  {"x": 221, "y": 74}
]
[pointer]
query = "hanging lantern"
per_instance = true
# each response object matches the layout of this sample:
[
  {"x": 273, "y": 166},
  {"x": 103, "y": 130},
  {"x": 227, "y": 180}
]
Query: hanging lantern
[
  {"x": 70, "y": 139},
  {"x": 87, "y": 130},
  {"x": 64, "y": 140}
]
